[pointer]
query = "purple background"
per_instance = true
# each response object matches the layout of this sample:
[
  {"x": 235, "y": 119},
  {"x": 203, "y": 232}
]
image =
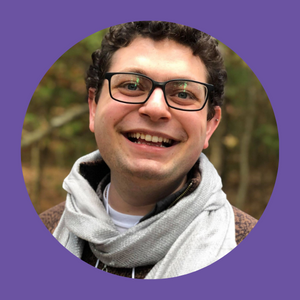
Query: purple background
[{"x": 34, "y": 35}]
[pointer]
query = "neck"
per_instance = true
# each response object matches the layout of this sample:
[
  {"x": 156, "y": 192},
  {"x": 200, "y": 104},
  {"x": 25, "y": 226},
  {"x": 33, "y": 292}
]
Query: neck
[{"x": 138, "y": 197}]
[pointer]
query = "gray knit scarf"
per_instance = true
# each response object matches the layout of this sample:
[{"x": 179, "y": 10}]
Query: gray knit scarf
[{"x": 193, "y": 234}]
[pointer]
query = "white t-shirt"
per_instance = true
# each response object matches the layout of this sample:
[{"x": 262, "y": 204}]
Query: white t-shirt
[{"x": 122, "y": 221}]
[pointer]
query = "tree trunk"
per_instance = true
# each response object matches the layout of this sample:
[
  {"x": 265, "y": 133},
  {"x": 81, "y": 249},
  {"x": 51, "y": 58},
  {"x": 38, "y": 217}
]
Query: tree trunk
[
  {"x": 36, "y": 183},
  {"x": 245, "y": 149},
  {"x": 216, "y": 147}
]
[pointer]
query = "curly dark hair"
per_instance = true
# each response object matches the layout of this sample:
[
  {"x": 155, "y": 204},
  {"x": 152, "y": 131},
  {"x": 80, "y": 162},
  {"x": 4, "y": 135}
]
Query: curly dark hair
[{"x": 202, "y": 45}]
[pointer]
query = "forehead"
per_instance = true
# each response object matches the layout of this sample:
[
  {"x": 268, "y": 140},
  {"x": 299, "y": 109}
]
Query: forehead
[{"x": 161, "y": 60}]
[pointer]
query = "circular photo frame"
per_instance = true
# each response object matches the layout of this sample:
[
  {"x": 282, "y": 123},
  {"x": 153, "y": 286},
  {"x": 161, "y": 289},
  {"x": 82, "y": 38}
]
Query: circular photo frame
[{"x": 47, "y": 270}]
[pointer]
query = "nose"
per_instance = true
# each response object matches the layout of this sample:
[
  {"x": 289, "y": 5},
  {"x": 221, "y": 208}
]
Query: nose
[{"x": 156, "y": 107}]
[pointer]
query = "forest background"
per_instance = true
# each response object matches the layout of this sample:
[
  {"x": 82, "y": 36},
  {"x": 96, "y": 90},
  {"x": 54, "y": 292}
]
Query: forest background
[{"x": 244, "y": 149}]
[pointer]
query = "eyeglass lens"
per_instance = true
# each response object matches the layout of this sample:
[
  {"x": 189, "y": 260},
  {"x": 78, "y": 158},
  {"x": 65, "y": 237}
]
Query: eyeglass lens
[{"x": 183, "y": 94}]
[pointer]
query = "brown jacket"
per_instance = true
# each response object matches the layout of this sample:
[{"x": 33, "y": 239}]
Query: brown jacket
[
  {"x": 96, "y": 174},
  {"x": 244, "y": 223}
]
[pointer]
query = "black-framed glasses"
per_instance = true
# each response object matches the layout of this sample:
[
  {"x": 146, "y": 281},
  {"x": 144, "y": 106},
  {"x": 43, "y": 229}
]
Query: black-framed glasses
[{"x": 181, "y": 94}]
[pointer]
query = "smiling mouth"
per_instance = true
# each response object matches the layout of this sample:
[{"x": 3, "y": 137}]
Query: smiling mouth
[{"x": 150, "y": 140}]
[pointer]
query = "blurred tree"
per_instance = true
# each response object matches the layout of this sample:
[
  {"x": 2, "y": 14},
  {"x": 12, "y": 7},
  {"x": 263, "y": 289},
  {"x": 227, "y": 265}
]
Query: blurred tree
[{"x": 244, "y": 149}]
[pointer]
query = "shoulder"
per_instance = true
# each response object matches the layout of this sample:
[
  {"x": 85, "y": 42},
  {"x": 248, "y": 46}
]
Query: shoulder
[
  {"x": 51, "y": 217},
  {"x": 244, "y": 223}
]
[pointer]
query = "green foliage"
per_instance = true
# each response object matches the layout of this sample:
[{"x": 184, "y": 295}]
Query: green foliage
[
  {"x": 63, "y": 87},
  {"x": 268, "y": 135}
]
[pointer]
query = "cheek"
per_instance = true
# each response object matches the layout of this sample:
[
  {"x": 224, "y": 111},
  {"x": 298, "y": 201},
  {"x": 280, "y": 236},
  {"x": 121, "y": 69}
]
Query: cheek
[
  {"x": 197, "y": 134},
  {"x": 102, "y": 123},
  {"x": 104, "y": 115},
  {"x": 107, "y": 118},
  {"x": 195, "y": 127}
]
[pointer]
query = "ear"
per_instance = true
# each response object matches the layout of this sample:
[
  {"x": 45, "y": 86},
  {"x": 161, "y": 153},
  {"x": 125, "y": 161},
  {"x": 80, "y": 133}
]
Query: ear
[
  {"x": 92, "y": 108},
  {"x": 212, "y": 125}
]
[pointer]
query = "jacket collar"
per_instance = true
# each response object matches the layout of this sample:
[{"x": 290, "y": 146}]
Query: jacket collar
[{"x": 97, "y": 173}]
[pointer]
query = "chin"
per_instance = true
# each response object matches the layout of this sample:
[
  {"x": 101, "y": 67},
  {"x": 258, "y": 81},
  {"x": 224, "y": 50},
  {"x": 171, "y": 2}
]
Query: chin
[{"x": 147, "y": 170}]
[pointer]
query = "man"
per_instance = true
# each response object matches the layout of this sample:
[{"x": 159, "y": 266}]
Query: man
[{"x": 148, "y": 204}]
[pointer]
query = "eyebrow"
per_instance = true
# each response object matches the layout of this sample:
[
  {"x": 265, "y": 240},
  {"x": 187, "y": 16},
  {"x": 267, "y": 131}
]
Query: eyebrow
[
  {"x": 135, "y": 70},
  {"x": 142, "y": 72}
]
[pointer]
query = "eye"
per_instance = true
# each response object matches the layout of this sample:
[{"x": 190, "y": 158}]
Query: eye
[
  {"x": 180, "y": 90},
  {"x": 131, "y": 84},
  {"x": 182, "y": 95}
]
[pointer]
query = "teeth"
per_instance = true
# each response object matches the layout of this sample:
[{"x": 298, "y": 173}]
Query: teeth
[
  {"x": 155, "y": 139},
  {"x": 149, "y": 138}
]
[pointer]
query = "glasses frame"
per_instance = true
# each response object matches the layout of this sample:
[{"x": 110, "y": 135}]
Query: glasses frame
[{"x": 161, "y": 85}]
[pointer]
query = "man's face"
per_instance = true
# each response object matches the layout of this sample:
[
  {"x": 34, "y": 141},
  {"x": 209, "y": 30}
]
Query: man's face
[{"x": 115, "y": 123}]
